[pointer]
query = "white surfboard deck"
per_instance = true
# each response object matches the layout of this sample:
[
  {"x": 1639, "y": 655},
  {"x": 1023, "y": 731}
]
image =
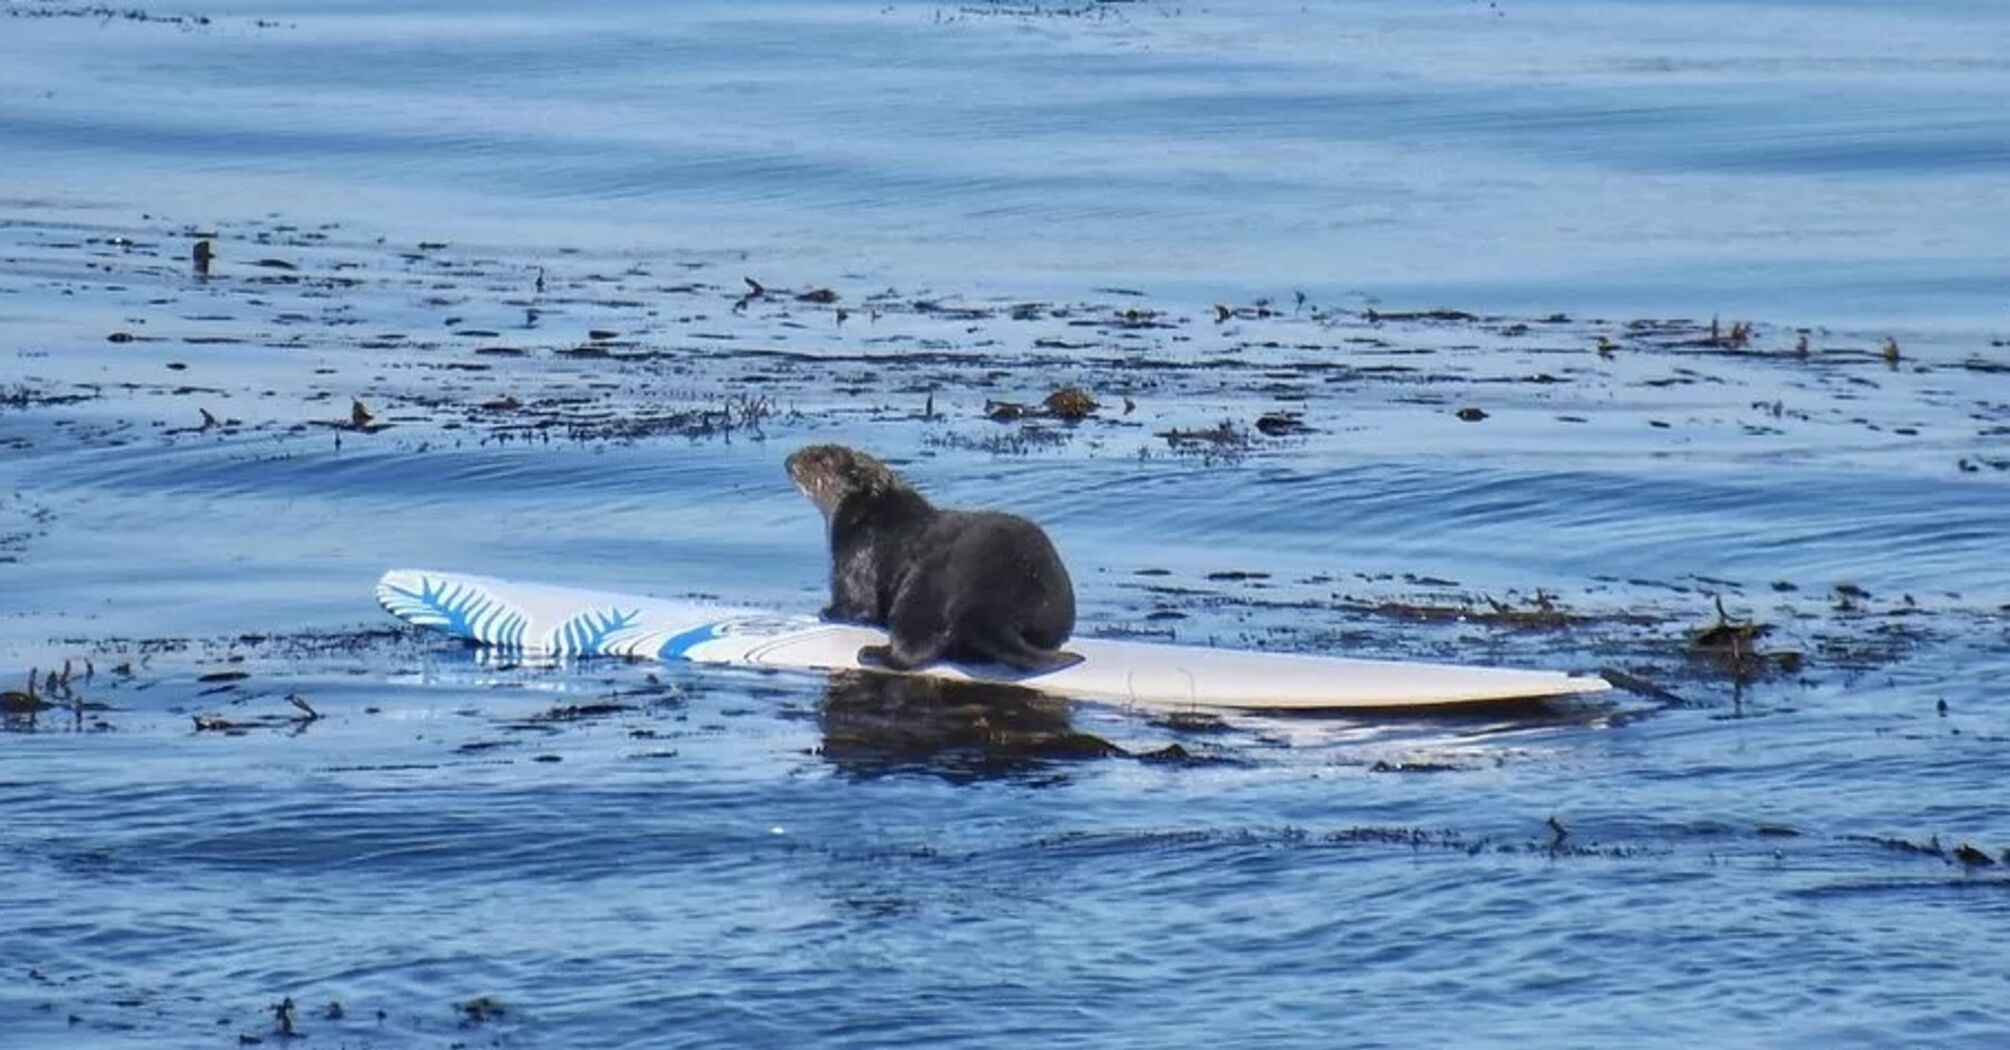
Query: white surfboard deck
[{"x": 543, "y": 620}]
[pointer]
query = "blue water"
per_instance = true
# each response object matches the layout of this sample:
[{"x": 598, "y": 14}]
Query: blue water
[
  {"x": 1810, "y": 162},
  {"x": 718, "y": 858}
]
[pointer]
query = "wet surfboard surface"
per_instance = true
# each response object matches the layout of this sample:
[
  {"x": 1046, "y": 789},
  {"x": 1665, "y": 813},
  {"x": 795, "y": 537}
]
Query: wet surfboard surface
[{"x": 548, "y": 620}]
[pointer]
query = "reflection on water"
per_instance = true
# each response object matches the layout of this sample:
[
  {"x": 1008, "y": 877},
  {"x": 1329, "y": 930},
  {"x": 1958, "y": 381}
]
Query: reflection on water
[{"x": 874, "y": 724}]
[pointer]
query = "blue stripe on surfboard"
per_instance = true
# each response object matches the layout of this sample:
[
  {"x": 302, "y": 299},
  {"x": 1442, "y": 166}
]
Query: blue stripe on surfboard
[{"x": 678, "y": 645}]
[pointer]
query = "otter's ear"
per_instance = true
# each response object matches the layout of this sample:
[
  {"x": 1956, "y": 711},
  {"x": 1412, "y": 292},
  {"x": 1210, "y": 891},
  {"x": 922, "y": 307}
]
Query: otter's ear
[
  {"x": 872, "y": 476},
  {"x": 860, "y": 480}
]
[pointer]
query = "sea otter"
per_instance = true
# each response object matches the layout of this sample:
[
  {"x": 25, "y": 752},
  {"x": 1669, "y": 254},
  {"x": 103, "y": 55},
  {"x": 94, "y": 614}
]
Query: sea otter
[{"x": 975, "y": 586}]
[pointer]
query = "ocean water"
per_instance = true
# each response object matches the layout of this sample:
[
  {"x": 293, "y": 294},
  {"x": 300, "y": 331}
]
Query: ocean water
[
  {"x": 1416, "y": 330},
  {"x": 1809, "y": 162}
]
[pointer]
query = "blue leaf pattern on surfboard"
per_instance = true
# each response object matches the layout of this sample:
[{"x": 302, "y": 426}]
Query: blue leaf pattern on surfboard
[
  {"x": 588, "y": 633},
  {"x": 459, "y": 609}
]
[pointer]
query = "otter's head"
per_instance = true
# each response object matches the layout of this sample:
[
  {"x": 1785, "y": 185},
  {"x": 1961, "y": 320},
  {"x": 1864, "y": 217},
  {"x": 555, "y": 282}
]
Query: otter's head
[{"x": 831, "y": 474}]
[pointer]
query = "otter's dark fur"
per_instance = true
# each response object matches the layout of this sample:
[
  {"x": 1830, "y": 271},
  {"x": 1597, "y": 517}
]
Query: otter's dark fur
[{"x": 975, "y": 586}]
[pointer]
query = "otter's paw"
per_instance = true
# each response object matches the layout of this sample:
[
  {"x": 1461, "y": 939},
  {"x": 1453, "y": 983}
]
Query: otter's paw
[
  {"x": 891, "y": 657},
  {"x": 875, "y": 656},
  {"x": 1061, "y": 659}
]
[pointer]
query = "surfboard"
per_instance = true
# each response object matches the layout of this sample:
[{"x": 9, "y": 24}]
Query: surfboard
[{"x": 554, "y": 621}]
